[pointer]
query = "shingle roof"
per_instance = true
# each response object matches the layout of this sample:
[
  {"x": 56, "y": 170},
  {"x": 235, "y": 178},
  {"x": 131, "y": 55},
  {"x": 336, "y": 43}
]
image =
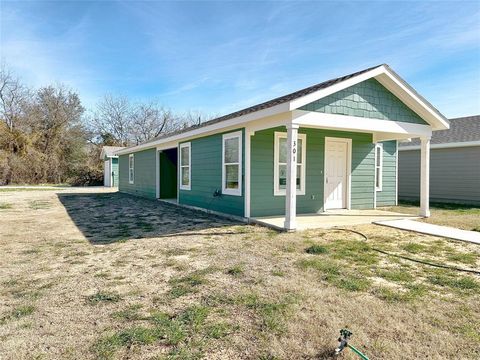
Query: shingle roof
[
  {"x": 461, "y": 130},
  {"x": 270, "y": 103},
  {"x": 110, "y": 150}
]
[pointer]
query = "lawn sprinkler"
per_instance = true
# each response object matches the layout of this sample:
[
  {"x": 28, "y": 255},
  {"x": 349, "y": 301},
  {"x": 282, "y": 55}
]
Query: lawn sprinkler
[{"x": 343, "y": 343}]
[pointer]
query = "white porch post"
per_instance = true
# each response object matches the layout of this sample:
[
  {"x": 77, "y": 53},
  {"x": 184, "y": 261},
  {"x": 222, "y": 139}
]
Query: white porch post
[
  {"x": 425, "y": 177},
  {"x": 291, "y": 190}
]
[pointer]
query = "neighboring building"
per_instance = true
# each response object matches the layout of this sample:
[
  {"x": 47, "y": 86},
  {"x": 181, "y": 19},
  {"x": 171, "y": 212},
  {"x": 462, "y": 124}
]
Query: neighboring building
[
  {"x": 454, "y": 164},
  {"x": 333, "y": 145},
  {"x": 110, "y": 168}
]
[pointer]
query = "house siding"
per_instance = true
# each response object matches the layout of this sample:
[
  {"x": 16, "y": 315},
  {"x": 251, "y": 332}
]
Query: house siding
[
  {"x": 115, "y": 171},
  {"x": 264, "y": 203},
  {"x": 388, "y": 195},
  {"x": 454, "y": 175},
  {"x": 144, "y": 180},
  {"x": 206, "y": 177},
  {"x": 368, "y": 99}
]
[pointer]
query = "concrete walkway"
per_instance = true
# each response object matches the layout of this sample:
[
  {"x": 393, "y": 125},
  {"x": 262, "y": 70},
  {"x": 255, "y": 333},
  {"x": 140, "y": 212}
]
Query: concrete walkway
[
  {"x": 332, "y": 218},
  {"x": 435, "y": 230}
]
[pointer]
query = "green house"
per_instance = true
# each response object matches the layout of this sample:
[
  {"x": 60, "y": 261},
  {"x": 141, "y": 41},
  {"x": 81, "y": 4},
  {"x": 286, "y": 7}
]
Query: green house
[
  {"x": 329, "y": 146},
  {"x": 110, "y": 165}
]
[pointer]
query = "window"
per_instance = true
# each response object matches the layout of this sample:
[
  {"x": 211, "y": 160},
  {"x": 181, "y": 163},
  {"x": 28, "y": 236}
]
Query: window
[
  {"x": 185, "y": 173},
  {"x": 131, "y": 168},
  {"x": 378, "y": 166},
  {"x": 232, "y": 164},
  {"x": 280, "y": 163}
]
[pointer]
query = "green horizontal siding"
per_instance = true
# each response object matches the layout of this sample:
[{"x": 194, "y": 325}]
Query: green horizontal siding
[
  {"x": 387, "y": 196},
  {"x": 368, "y": 99},
  {"x": 206, "y": 177},
  {"x": 144, "y": 182},
  {"x": 264, "y": 203}
]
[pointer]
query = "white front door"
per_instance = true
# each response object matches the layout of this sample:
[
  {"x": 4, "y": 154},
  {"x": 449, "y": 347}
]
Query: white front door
[
  {"x": 336, "y": 177},
  {"x": 107, "y": 174}
]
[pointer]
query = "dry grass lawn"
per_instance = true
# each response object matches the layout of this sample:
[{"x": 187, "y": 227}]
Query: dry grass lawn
[
  {"x": 90, "y": 274},
  {"x": 460, "y": 216}
]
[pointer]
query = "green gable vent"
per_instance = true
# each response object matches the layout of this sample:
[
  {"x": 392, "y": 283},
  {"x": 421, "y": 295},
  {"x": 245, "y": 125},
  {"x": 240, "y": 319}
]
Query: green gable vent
[{"x": 367, "y": 99}]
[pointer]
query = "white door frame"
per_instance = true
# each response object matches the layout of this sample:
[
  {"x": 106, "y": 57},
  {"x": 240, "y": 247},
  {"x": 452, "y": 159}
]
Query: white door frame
[{"x": 348, "y": 141}]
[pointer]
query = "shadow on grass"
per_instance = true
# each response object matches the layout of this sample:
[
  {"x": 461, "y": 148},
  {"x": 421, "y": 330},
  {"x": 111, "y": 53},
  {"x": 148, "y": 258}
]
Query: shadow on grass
[{"x": 106, "y": 218}]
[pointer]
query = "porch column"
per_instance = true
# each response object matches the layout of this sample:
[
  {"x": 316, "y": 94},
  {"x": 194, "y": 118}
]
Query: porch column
[
  {"x": 425, "y": 177},
  {"x": 291, "y": 190}
]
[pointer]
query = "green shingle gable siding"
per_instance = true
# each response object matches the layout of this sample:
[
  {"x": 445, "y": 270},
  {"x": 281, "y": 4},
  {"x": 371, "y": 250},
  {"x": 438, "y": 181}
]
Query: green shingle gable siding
[
  {"x": 387, "y": 197},
  {"x": 206, "y": 177},
  {"x": 368, "y": 99},
  {"x": 264, "y": 203},
  {"x": 144, "y": 182},
  {"x": 115, "y": 171}
]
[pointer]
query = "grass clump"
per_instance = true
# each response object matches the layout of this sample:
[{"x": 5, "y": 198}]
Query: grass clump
[
  {"x": 17, "y": 313},
  {"x": 235, "y": 270},
  {"x": 464, "y": 258},
  {"x": 396, "y": 275},
  {"x": 39, "y": 204},
  {"x": 316, "y": 249},
  {"x": 131, "y": 313},
  {"x": 332, "y": 273},
  {"x": 5, "y": 206},
  {"x": 186, "y": 285},
  {"x": 414, "y": 248},
  {"x": 462, "y": 283},
  {"x": 102, "y": 296},
  {"x": 412, "y": 293},
  {"x": 272, "y": 313}
]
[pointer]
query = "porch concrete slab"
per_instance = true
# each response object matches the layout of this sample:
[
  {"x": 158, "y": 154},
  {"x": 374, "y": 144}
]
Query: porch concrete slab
[
  {"x": 333, "y": 218},
  {"x": 435, "y": 230}
]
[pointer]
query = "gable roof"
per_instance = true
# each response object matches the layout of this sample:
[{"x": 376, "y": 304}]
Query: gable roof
[
  {"x": 387, "y": 77},
  {"x": 463, "y": 129},
  {"x": 109, "y": 151}
]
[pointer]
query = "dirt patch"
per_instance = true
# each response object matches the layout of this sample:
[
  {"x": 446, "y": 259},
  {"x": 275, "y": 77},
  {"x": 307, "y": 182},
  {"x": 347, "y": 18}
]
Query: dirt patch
[{"x": 96, "y": 274}]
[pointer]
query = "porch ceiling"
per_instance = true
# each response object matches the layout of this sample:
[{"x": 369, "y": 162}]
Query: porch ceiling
[{"x": 333, "y": 218}]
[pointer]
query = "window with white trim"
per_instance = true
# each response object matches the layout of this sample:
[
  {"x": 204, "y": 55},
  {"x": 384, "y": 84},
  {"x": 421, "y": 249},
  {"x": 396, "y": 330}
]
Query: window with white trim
[
  {"x": 378, "y": 166},
  {"x": 185, "y": 168},
  {"x": 131, "y": 168},
  {"x": 280, "y": 163},
  {"x": 232, "y": 164}
]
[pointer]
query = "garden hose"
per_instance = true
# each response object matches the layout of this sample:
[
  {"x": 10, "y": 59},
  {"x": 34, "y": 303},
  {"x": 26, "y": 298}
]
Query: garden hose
[{"x": 420, "y": 261}]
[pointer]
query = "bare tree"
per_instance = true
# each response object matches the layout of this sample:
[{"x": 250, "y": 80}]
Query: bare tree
[
  {"x": 150, "y": 120},
  {"x": 113, "y": 118},
  {"x": 12, "y": 98}
]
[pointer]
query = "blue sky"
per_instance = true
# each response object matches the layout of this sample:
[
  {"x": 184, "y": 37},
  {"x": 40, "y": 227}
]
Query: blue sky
[{"x": 218, "y": 57}]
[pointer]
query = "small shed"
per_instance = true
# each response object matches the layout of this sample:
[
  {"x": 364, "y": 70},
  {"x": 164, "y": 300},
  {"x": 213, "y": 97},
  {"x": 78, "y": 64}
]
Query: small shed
[{"x": 110, "y": 168}]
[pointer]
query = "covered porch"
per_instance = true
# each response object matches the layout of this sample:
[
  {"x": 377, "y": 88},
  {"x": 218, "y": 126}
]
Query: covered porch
[{"x": 333, "y": 218}]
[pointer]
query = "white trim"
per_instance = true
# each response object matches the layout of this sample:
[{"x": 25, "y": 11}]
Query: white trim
[
  {"x": 238, "y": 191},
  {"x": 442, "y": 146},
  {"x": 379, "y": 146},
  {"x": 131, "y": 169},
  {"x": 276, "y": 153},
  {"x": 353, "y": 123},
  {"x": 425, "y": 177},
  {"x": 383, "y": 74},
  {"x": 157, "y": 174},
  {"x": 290, "y": 222},
  {"x": 189, "y": 166},
  {"x": 248, "y": 141},
  {"x": 348, "y": 191},
  {"x": 297, "y": 103},
  {"x": 396, "y": 175}
]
